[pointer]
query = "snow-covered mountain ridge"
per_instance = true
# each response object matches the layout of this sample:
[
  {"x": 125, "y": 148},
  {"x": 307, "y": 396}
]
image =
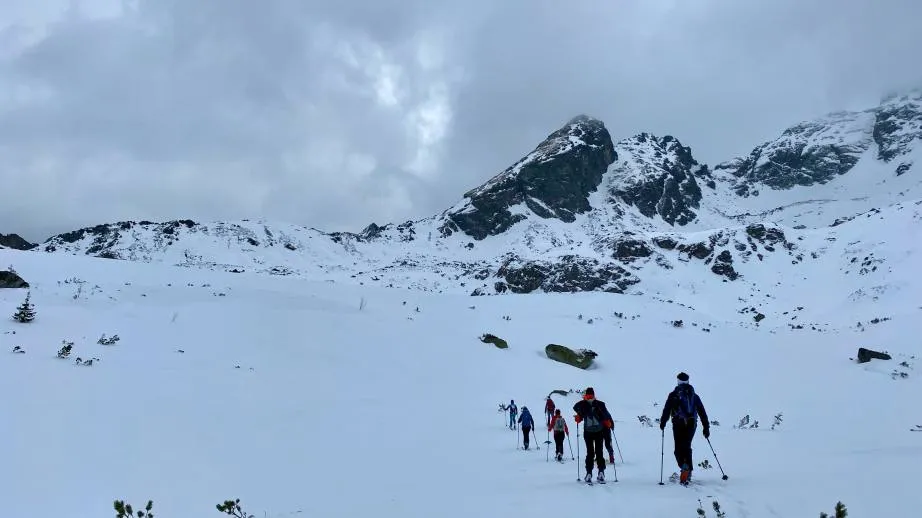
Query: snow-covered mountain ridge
[{"x": 583, "y": 213}]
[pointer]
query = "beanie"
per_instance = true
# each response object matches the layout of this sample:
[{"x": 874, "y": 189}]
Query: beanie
[{"x": 682, "y": 377}]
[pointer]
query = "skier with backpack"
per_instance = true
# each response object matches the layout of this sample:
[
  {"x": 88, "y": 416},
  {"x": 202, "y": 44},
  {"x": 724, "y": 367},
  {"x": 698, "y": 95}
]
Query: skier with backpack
[
  {"x": 513, "y": 412},
  {"x": 549, "y": 407},
  {"x": 595, "y": 416},
  {"x": 527, "y": 424},
  {"x": 684, "y": 407},
  {"x": 559, "y": 426}
]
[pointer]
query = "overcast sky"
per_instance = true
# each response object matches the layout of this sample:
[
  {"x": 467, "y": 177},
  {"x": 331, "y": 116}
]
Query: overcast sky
[{"x": 338, "y": 113}]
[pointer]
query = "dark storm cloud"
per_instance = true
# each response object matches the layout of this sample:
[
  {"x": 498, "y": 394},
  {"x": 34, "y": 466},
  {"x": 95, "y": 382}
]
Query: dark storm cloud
[{"x": 335, "y": 114}]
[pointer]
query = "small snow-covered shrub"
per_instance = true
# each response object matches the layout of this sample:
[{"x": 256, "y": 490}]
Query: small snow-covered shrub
[
  {"x": 65, "y": 350},
  {"x": 108, "y": 341},
  {"x": 123, "y": 510},
  {"x": 232, "y": 508}
]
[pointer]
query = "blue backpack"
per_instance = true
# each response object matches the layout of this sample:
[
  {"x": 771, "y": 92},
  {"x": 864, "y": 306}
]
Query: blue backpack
[
  {"x": 526, "y": 419},
  {"x": 685, "y": 403}
]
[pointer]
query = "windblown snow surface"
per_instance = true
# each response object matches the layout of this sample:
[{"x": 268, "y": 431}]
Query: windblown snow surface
[{"x": 306, "y": 398}]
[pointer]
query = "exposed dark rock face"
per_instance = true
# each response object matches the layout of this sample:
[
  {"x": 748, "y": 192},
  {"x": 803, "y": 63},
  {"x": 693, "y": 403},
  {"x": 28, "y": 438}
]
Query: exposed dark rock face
[
  {"x": 16, "y": 242},
  {"x": 554, "y": 181},
  {"x": 660, "y": 177},
  {"x": 897, "y": 123},
  {"x": 566, "y": 274},
  {"x": 723, "y": 265},
  {"x": 628, "y": 250},
  {"x": 12, "y": 280},
  {"x": 806, "y": 154}
]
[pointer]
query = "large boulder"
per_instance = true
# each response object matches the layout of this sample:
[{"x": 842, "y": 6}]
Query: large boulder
[
  {"x": 12, "y": 280},
  {"x": 866, "y": 355},
  {"x": 495, "y": 340},
  {"x": 581, "y": 358}
]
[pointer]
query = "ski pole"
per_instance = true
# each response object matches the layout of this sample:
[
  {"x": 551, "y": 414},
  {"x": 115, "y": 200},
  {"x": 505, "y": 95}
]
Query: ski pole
[
  {"x": 725, "y": 477},
  {"x": 570, "y": 444},
  {"x": 661, "y": 448},
  {"x": 578, "y": 477},
  {"x": 615, "y": 469},
  {"x": 615, "y": 437},
  {"x": 533, "y": 434},
  {"x": 547, "y": 450},
  {"x": 516, "y": 440}
]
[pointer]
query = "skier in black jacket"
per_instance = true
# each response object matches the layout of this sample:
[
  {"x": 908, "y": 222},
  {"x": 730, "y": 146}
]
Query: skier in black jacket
[
  {"x": 684, "y": 407},
  {"x": 595, "y": 418}
]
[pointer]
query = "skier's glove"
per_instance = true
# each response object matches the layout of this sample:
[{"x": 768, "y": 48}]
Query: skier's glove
[
  {"x": 707, "y": 432},
  {"x": 662, "y": 425},
  {"x": 577, "y": 419},
  {"x": 609, "y": 424}
]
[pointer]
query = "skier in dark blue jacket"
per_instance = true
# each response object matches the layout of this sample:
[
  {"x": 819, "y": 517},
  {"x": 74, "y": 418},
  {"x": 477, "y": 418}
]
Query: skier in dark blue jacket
[
  {"x": 527, "y": 424},
  {"x": 684, "y": 407}
]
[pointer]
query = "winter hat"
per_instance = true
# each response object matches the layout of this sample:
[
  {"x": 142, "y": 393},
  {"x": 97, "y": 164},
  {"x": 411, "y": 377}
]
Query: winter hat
[
  {"x": 683, "y": 378},
  {"x": 557, "y": 412},
  {"x": 589, "y": 390}
]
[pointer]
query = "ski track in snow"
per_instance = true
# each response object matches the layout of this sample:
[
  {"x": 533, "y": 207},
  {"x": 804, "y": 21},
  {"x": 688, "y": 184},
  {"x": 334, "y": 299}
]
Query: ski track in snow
[{"x": 338, "y": 411}]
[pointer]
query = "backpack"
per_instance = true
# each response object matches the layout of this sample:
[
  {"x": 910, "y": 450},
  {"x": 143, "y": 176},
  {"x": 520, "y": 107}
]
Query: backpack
[
  {"x": 514, "y": 409},
  {"x": 549, "y": 407},
  {"x": 526, "y": 419},
  {"x": 591, "y": 421},
  {"x": 559, "y": 424},
  {"x": 685, "y": 403}
]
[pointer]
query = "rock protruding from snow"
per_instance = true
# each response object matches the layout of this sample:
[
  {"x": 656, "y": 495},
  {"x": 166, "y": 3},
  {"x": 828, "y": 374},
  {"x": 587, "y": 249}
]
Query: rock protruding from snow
[
  {"x": 897, "y": 124},
  {"x": 12, "y": 280},
  {"x": 580, "y": 359},
  {"x": 866, "y": 355},
  {"x": 15, "y": 242},
  {"x": 553, "y": 181},
  {"x": 660, "y": 177},
  {"x": 806, "y": 154}
]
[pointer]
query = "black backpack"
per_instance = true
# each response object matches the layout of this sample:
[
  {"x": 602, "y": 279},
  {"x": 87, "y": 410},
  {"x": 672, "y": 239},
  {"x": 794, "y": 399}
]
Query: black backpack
[{"x": 592, "y": 422}]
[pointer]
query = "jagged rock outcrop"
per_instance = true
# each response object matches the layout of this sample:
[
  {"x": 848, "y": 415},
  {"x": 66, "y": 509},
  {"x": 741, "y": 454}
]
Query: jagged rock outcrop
[
  {"x": 660, "y": 177},
  {"x": 553, "y": 181},
  {"x": 15, "y": 242},
  {"x": 809, "y": 153},
  {"x": 897, "y": 124},
  {"x": 568, "y": 273}
]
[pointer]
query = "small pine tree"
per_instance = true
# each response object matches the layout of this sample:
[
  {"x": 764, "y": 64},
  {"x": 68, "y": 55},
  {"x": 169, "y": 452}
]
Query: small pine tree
[
  {"x": 840, "y": 510},
  {"x": 25, "y": 313}
]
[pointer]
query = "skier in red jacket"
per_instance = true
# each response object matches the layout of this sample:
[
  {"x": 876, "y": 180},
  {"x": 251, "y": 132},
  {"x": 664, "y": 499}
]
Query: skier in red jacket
[{"x": 559, "y": 426}]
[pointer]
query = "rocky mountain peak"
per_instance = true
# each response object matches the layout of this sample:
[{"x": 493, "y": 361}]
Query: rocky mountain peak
[
  {"x": 553, "y": 181},
  {"x": 808, "y": 153},
  {"x": 660, "y": 177}
]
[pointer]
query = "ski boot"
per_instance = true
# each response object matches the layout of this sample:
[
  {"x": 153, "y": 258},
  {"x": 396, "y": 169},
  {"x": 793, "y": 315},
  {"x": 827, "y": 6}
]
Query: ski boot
[
  {"x": 685, "y": 476},
  {"x": 588, "y": 478},
  {"x": 600, "y": 478}
]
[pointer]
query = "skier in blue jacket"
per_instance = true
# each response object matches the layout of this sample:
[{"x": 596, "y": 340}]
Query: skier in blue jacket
[{"x": 527, "y": 424}]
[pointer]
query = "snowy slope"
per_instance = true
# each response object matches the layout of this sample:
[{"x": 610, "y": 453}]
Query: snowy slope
[{"x": 350, "y": 402}]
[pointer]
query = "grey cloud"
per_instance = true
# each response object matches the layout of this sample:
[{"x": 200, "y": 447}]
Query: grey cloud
[{"x": 311, "y": 112}]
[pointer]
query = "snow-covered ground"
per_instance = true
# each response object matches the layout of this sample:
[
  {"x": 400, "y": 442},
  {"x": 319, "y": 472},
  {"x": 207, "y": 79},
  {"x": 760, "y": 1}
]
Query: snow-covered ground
[{"x": 325, "y": 399}]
